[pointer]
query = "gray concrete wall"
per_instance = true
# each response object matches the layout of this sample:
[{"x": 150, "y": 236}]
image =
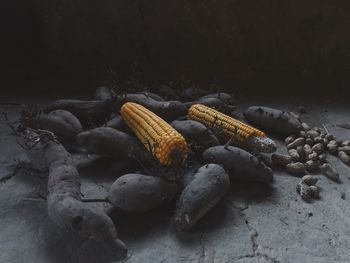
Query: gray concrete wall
[{"x": 242, "y": 43}]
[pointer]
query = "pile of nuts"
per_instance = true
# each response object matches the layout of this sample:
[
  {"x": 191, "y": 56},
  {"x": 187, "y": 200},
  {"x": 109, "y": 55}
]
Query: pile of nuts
[{"x": 307, "y": 152}]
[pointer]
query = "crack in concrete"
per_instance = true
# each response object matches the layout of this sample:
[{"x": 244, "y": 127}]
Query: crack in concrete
[{"x": 253, "y": 237}]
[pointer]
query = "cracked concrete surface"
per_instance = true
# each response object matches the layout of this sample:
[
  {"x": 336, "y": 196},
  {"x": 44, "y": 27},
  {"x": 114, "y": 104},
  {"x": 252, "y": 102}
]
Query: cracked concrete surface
[{"x": 253, "y": 223}]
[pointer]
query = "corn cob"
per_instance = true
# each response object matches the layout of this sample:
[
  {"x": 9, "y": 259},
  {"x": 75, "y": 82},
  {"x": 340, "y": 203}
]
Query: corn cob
[
  {"x": 227, "y": 128},
  {"x": 162, "y": 140}
]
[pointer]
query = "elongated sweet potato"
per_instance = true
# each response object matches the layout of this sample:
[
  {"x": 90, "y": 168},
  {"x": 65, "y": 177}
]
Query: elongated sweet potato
[
  {"x": 64, "y": 204},
  {"x": 118, "y": 123},
  {"x": 108, "y": 142},
  {"x": 274, "y": 120},
  {"x": 151, "y": 95},
  {"x": 86, "y": 111},
  {"x": 208, "y": 186},
  {"x": 62, "y": 123},
  {"x": 196, "y": 134},
  {"x": 192, "y": 94},
  {"x": 138, "y": 193},
  {"x": 225, "y": 97},
  {"x": 168, "y": 110},
  {"x": 240, "y": 164}
]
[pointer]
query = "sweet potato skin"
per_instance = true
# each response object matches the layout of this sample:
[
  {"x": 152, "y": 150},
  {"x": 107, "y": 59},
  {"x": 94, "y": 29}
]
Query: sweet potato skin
[
  {"x": 168, "y": 110},
  {"x": 138, "y": 193},
  {"x": 274, "y": 120},
  {"x": 196, "y": 134},
  {"x": 64, "y": 204},
  {"x": 62, "y": 123},
  {"x": 85, "y": 111},
  {"x": 114, "y": 144},
  {"x": 240, "y": 164},
  {"x": 208, "y": 186}
]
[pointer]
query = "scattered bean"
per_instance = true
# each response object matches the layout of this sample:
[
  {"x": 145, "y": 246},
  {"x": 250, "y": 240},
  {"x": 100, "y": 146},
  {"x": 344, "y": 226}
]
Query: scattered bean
[
  {"x": 313, "y": 156},
  {"x": 281, "y": 159},
  {"x": 312, "y": 133},
  {"x": 318, "y": 148},
  {"x": 312, "y": 165},
  {"x": 344, "y": 157},
  {"x": 332, "y": 147},
  {"x": 304, "y": 190},
  {"x": 309, "y": 141},
  {"x": 305, "y": 126},
  {"x": 294, "y": 154},
  {"x": 330, "y": 172},
  {"x": 315, "y": 192},
  {"x": 296, "y": 143},
  {"x": 309, "y": 180},
  {"x": 322, "y": 157},
  {"x": 296, "y": 168},
  {"x": 345, "y": 149},
  {"x": 289, "y": 139}
]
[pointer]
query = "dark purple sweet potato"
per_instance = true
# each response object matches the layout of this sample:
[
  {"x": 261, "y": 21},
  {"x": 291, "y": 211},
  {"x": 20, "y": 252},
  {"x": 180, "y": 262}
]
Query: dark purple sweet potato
[
  {"x": 273, "y": 120},
  {"x": 62, "y": 123},
  {"x": 138, "y": 193},
  {"x": 86, "y": 111},
  {"x": 114, "y": 144},
  {"x": 64, "y": 204},
  {"x": 214, "y": 103},
  {"x": 104, "y": 93},
  {"x": 192, "y": 94},
  {"x": 168, "y": 110},
  {"x": 240, "y": 164},
  {"x": 225, "y": 97},
  {"x": 151, "y": 95},
  {"x": 207, "y": 187},
  {"x": 166, "y": 92},
  {"x": 196, "y": 134},
  {"x": 118, "y": 123}
]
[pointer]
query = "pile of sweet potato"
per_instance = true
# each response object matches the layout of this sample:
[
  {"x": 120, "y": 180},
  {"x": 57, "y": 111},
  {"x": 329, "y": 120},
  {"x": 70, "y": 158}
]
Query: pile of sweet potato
[{"x": 67, "y": 126}]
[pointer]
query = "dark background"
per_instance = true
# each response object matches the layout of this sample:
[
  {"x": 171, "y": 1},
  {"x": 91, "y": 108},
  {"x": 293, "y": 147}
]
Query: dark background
[{"x": 60, "y": 47}]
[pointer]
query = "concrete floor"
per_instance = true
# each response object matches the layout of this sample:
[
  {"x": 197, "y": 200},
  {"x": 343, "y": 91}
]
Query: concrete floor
[{"x": 251, "y": 224}]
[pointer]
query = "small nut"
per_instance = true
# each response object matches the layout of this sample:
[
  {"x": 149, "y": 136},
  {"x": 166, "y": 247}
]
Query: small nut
[
  {"x": 315, "y": 192},
  {"x": 345, "y": 143},
  {"x": 304, "y": 191},
  {"x": 297, "y": 142},
  {"x": 345, "y": 149},
  {"x": 302, "y": 134},
  {"x": 294, "y": 154},
  {"x": 312, "y": 133},
  {"x": 309, "y": 180},
  {"x": 289, "y": 139},
  {"x": 344, "y": 157},
  {"x": 330, "y": 172},
  {"x": 332, "y": 147},
  {"x": 312, "y": 165},
  {"x": 307, "y": 149},
  {"x": 302, "y": 154},
  {"x": 322, "y": 157},
  {"x": 309, "y": 141},
  {"x": 329, "y": 136},
  {"x": 316, "y": 129},
  {"x": 318, "y": 148},
  {"x": 296, "y": 168},
  {"x": 281, "y": 159},
  {"x": 313, "y": 156},
  {"x": 305, "y": 126},
  {"x": 318, "y": 139}
]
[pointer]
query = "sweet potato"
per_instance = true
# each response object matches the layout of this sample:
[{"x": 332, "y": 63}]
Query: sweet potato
[
  {"x": 108, "y": 142},
  {"x": 166, "y": 92},
  {"x": 168, "y": 110},
  {"x": 208, "y": 186},
  {"x": 118, "y": 123},
  {"x": 138, "y": 193},
  {"x": 64, "y": 204},
  {"x": 192, "y": 94},
  {"x": 86, "y": 111},
  {"x": 196, "y": 134},
  {"x": 240, "y": 164},
  {"x": 225, "y": 97},
  {"x": 151, "y": 95},
  {"x": 274, "y": 120},
  {"x": 62, "y": 123}
]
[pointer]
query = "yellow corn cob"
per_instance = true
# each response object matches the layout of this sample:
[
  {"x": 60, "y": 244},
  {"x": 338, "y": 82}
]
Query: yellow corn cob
[
  {"x": 227, "y": 126},
  {"x": 162, "y": 140}
]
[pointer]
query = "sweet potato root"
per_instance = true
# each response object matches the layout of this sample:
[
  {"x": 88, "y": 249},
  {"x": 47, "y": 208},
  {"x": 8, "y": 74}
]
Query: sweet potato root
[
  {"x": 274, "y": 120},
  {"x": 64, "y": 204},
  {"x": 86, "y": 111},
  {"x": 62, "y": 123},
  {"x": 138, "y": 193},
  {"x": 208, "y": 186},
  {"x": 108, "y": 142},
  {"x": 168, "y": 110},
  {"x": 196, "y": 134},
  {"x": 240, "y": 164}
]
